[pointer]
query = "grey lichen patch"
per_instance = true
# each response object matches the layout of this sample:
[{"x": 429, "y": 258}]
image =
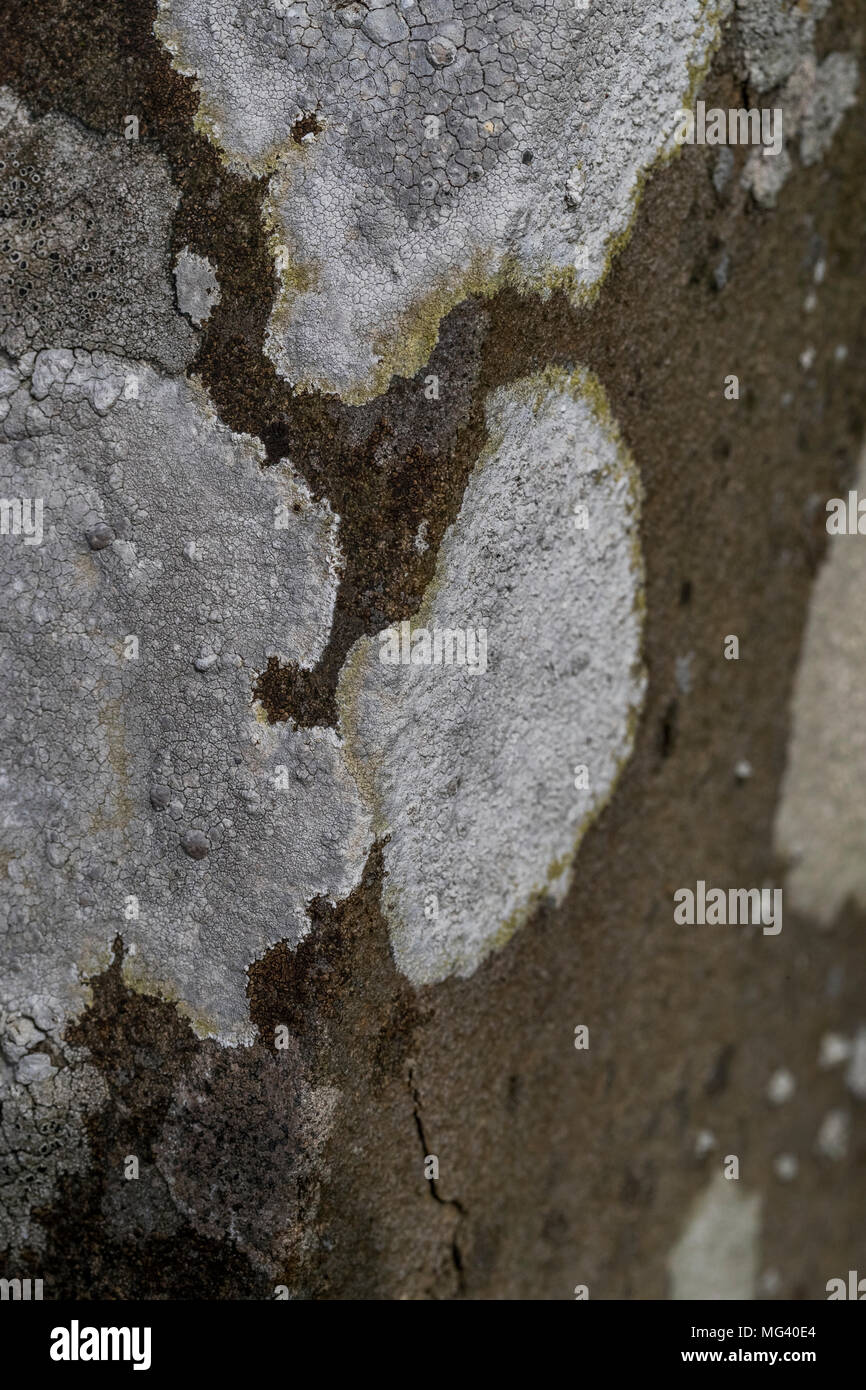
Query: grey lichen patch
[
  {"x": 813, "y": 102},
  {"x": 86, "y": 227},
  {"x": 196, "y": 286},
  {"x": 485, "y": 780},
  {"x": 775, "y": 37},
  {"x": 44, "y": 1101},
  {"x": 716, "y": 1257},
  {"x": 452, "y": 148},
  {"x": 778, "y": 53},
  {"x": 821, "y": 818},
  {"x": 144, "y": 795},
  {"x": 828, "y": 91}
]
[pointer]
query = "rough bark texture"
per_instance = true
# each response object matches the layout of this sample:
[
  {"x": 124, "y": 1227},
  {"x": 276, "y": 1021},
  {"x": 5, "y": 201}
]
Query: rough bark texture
[{"x": 273, "y": 1036}]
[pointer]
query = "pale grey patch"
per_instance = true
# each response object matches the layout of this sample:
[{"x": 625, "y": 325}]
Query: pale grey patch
[
  {"x": 472, "y": 776},
  {"x": 547, "y": 117},
  {"x": 813, "y": 101},
  {"x": 723, "y": 169},
  {"x": 87, "y": 227},
  {"x": 705, "y": 1142},
  {"x": 855, "y": 1077},
  {"x": 683, "y": 672},
  {"x": 821, "y": 817},
  {"x": 834, "y": 1050},
  {"x": 420, "y": 542},
  {"x": 765, "y": 178},
  {"x": 770, "y": 1282},
  {"x": 153, "y": 778},
  {"x": 36, "y": 1066},
  {"x": 786, "y": 1167},
  {"x": 833, "y": 93},
  {"x": 716, "y": 1257},
  {"x": 775, "y": 36},
  {"x": 196, "y": 285},
  {"x": 834, "y": 1135},
  {"x": 781, "y": 1086}
]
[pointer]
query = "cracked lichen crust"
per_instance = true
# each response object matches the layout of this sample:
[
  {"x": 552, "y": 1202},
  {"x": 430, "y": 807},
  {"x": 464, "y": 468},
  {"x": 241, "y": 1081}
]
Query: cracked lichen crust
[
  {"x": 421, "y": 152},
  {"x": 144, "y": 795},
  {"x": 84, "y": 258},
  {"x": 475, "y": 776}
]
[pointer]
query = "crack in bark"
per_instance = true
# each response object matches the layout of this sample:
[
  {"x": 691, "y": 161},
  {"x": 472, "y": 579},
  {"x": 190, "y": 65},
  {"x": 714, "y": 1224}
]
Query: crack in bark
[{"x": 456, "y": 1254}]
